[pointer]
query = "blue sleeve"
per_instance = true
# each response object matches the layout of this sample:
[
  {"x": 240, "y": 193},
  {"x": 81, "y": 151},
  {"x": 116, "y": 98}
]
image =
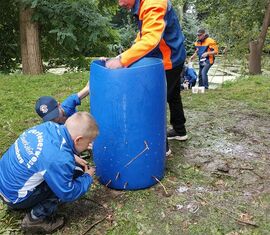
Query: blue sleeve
[
  {"x": 59, "y": 177},
  {"x": 70, "y": 103},
  {"x": 191, "y": 74}
]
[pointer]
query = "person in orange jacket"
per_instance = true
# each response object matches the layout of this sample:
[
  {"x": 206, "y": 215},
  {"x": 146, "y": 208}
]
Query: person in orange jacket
[
  {"x": 206, "y": 49},
  {"x": 160, "y": 35}
]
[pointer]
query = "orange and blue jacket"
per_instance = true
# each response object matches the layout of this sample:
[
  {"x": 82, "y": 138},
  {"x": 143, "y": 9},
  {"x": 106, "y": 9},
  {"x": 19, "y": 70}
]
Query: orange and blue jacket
[
  {"x": 159, "y": 35},
  {"x": 206, "y": 45}
]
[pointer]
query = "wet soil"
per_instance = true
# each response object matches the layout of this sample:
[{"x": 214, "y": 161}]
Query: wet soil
[{"x": 220, "y": 174}]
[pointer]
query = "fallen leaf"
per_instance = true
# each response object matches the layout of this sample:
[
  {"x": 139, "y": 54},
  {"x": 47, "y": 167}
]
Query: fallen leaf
[
  {"x": 220, "y": 183},
  {"x": 245, "y": 217}
]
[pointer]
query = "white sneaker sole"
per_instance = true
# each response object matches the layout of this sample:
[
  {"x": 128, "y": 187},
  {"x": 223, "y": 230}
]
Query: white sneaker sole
[
  {"x": 180, "y": 138},
  {"x": 168, "y": 153}
]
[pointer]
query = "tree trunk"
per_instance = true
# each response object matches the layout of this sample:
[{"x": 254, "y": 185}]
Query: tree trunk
[
  {"x": 29, "y": 37},
  {"x": 256, "y": 46},
  {"x": 24, "y": 54},
  {"x": 255, "y": 58}
]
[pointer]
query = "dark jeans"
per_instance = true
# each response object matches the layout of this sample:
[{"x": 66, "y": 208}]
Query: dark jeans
[
  {"x": 203, "y": 74},
  {"x": 42, "y": 201},
  {"x": 177, "y": 117}
]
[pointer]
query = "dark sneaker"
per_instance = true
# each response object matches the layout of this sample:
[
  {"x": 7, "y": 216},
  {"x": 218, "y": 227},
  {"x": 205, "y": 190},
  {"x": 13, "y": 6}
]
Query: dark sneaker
[
  {"x": 47, "y": 225},
  {"x": 173, "y": 135}
]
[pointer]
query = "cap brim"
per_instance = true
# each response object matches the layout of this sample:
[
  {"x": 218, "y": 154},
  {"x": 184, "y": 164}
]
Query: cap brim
[{"x": 51, "y": 115}]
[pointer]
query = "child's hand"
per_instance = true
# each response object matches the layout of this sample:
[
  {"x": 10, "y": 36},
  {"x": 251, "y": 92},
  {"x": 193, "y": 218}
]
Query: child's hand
[
  {"x": 114, "y": 63},
  {"x": 91, "y": 170},
  {"x": 90, "y": 146},
  {"x": 80, "y": 161},
  {"x": 103, "y": 58}
]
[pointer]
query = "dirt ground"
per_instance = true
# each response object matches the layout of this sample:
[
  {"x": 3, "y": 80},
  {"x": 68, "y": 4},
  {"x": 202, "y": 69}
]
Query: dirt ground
[{"x": 217, "y": 182}]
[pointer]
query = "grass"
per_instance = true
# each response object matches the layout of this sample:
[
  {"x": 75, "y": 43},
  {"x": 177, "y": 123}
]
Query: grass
[
  {"x": 19, "y": 94},
  {"x": 252, "y": 91},
  {"x": 226, "y": 125}
]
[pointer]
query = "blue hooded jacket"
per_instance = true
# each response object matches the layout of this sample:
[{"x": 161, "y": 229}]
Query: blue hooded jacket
[
  {"x": 190, "y": 75},
  {"x": 42, "y": 153}
]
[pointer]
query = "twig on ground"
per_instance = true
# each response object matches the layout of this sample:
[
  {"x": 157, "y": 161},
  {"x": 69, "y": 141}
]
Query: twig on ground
[
  {"x": 94, "y": 224},
  {"x": 161, "y": 184},
  {"x": 98, "y": 203},
  {"x": 261, "y": 177},
  {"x": 242, "y": 168},
  {"x": 248, "y": 169},
  {"x": 227, "y": 212},
  {"x": 219, "y": 174}
]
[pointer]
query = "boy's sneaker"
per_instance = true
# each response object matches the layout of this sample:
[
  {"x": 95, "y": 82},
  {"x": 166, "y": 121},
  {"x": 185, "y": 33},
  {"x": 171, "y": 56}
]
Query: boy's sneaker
[
  {"x": 168, "y": 151},
  {"x": 173, "y": 135},
  {"x": 47, "y": 225}
]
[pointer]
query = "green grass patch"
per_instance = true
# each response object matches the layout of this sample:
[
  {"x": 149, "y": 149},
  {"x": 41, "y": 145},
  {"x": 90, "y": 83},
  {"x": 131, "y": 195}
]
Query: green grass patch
[
  {"x": 19, "y": 94},
  {"x": 253, "y": 91}
]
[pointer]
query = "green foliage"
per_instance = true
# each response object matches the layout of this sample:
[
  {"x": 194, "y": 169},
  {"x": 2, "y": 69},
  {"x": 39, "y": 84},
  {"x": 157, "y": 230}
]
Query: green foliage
[
  {"x": 233, "y": 23},
  {"x": 178, "y": 3},
  {"x": 108, "y": 6},
  {"x": 69, "y": 31},
  {"x": 72, "y": 30},
  {"x": 125, "y": 23},
  {"x": 190, "y": 26},
  {"x": 9, "y": 36}
]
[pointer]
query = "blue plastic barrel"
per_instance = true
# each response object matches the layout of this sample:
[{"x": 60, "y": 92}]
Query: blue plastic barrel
[{"x": 129, "y": 106}]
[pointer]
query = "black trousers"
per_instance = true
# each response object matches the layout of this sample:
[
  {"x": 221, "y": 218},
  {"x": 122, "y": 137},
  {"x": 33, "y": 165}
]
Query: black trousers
[{"x": 177, "y": 117}]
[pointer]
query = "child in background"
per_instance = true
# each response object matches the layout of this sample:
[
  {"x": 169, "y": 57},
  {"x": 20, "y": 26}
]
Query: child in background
[{"x": 189, "y": 77}]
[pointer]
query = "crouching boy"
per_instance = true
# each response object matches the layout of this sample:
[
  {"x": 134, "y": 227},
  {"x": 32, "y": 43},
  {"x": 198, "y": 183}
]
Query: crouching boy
[{"x": 36, "y": 172}]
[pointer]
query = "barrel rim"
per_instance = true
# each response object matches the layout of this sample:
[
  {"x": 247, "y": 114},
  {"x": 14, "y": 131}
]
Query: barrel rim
[{"x": 138, "y": 64}]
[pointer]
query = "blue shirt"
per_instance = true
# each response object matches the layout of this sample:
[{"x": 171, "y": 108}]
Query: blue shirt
[
  {"x": 70, "y": 103},
  {"x": 42, "y": 153},
  {"x": 190, "y": 75}
]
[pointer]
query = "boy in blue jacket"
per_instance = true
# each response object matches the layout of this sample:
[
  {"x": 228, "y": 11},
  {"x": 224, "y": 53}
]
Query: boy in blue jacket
[
  {"x": 189, "y": 76},
  {"x": 51, "y": 110},
  {"x": 36, "y": 172}
]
